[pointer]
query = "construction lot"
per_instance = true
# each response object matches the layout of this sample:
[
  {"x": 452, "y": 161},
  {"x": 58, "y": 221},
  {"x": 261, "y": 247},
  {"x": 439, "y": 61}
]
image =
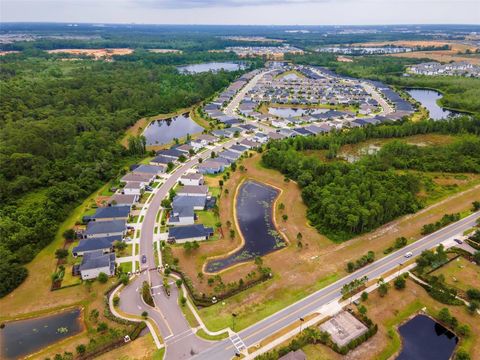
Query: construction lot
[{"x": 343, "y": 328}]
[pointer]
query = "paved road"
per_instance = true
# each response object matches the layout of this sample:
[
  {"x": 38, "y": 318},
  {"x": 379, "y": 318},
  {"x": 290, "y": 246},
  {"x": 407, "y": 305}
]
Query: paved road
[
  {"x": 180, "y": 340},
  {"x": 283, "y": 318}
]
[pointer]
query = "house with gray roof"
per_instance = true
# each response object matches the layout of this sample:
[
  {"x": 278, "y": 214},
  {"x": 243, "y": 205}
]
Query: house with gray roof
[
  {"x": 195, "y": 202},
  {"x": 161, "y": 160},
  {"x": 96, "y": 229},
  {"x": 111, "y": 213},
  {"x": 149, "y": 169},
  {"x": 229, "y": 155},
  {"x": 96, "y": 262},
  {"x": 182, "y": 234},
  {"x": 122, "y": 199},
  {"x": 238, "y": 148},
  {"x": 181, "y": 215},
  {"x": 105, "y": 244},
  {"x": 191, "y": 179},
  {"x": 211, "y": 167},
  {"x": 192, "y": 190}
]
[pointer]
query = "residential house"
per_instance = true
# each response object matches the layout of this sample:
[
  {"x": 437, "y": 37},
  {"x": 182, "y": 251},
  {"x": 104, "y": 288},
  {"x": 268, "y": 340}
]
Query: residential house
[
  {"x": 181, "y": 215},
  {"x": 104, "y": 244},
  {"x": 96, "y": 262},
  {"x": 144, "y": 178},
  {"x": 191, "y": 190},
  {"x": 194, "y": 179},
  {"x": 238, "y": 148},
  {"x": 133, "y": 188},
  {"x": 260, "y": 137},
  {"x": 97, "y": 229},
  {"x": 210, "y": 167},
  {"x": 149, "y": 169},
  {"x": 202, "y": 141},
  {"x": 161, "y": 160},
  {"x": 110, "y": 213},
  {"x": 182, "y": 234},
  {"x": 195, "y": 202},
  {"x": 121, "y": 200}
]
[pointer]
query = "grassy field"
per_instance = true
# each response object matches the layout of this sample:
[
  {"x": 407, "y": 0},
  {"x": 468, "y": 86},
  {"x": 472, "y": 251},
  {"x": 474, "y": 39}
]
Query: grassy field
[
  {"x": 201, "y": 333},
  {"x": 391, "y": 311},
  {"x": 461, "y": 274},
  {"x": 207, "y": 218}
]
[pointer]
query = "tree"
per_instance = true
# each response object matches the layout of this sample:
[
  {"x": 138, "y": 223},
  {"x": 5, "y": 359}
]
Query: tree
[
  {"x": 116, "y": 300},
  {"x": 94, "y": 315},
  {"x": 124, "y": 279},
  {"x": 462, "y": 355},
  {"x": 476, "y": 257},
  {"x": 183, "y": 300},
  {"x": 229, "y": 224},
  {"x": 144, "y": 314},
  {"x": 69, "y": 234},
  {"x": 61, "y": 253},
  {"x": 281, "y": 206},
  {"x": 362, "y": 309},
  {"x": 444, "y": 315},
  {"x": 364, "y": 296},
  {"x": 232, "y": 234},
  {"x": 285, "y": 217},
  {"x": 399, "y": 282},
  {"x": 258, "y": 261},
  {"x": 102, "y": 327},
  {"x": 187, "y": 246},
  {"x": 382, "y": 287},
  {"x": 473, "y": 306},
  {"x": 195, "y": 245},
  {"x": 220, "y": 183},
  {"x": 476, "y": 205},
  {"x": 120, "y": 245},
  {"x": 179, "y": 282},
  {"x": 81, "y": 349},
  {"x": 102, "y": 277}
]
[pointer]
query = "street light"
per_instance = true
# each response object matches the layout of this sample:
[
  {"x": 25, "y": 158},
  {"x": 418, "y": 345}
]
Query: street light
[
  {"x": 399, "y": 267},
  {"x": 233, "y": 321},
  {"x": 301, "y": 323}
]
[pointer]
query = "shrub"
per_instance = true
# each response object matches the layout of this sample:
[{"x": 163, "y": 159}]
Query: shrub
[{"x": 102, "y": 277}]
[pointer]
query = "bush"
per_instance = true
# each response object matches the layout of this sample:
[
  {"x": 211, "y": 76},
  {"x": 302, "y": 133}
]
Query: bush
[
  {"x": 462, "y": 355},
  {"x": 81, "y": 349},
  {"x": 116, "y": 300},
  {"x": 399, "y": 283},
  {"x": 102, "y": 327},
  {"x": 102, "y": 277}
]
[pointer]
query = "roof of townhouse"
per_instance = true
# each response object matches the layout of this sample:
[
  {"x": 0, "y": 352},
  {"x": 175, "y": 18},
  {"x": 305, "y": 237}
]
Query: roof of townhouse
[
  {"x": 232, "y": 122},
  {"x": 192, "y": 176},
  {"x": 193, "y": 189},
  {"x": 112, "y": 212},
  {"x": 189, "y": 231},
  {"x": 210, "y": 164},
  {"x": 302, "y": 131},
  {"x": 238, "y": 148},
  {"x": 184, "y": 148},
  {"x": 122, "y": 199},
  {"x": 221, "y": 160},
  {"x": 181, "y": 211},
  {"x": 173, "y": 153},
  {"x": 148, "y": 169},
  {"x": 227, "y": 154},
  {"x": 105, "y": 227},
  {"x": 189, "y": 201},
  {"x": 249, "y": 143},
  {"x": 260, "y": 135},
  {"x": 205, "y": 137},
  {"x": 247, "y": 127},
  {"x": 234, "y": 129},
  {"x": 137, "y": 177},
  {"x": 97, "y": 259},
  {"x": 160, "y": 159},
  {"x": 100, "y": 243},
  {"x": 220, "y": 133},
  {"x": 133, "y": 185},
  {"x": 275, "y": 136}
]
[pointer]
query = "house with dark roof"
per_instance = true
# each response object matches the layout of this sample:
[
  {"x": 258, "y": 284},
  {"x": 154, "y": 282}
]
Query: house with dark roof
[
  {"x": 302, "y": 131},
  {"x": 171, "y": 153},
  {"x": 138, "y": 177},
  {"x": 105, "y": 244},
  {"x": 238, "y": 148},
  {"x": 195, "y": 202},
  {"x": 96, "y": 262},
  {"x": 182, "y": 234},
  {"x": 111, "y": 213},
  {"x": 96, "y": 229},
  {"x": 181, "y": 215},
  {"x": 149, "y": 169},
  {"x": 210, "y": 167},
  {"x": 229, "y": 155},
  {"x": 161, "y": 160}
]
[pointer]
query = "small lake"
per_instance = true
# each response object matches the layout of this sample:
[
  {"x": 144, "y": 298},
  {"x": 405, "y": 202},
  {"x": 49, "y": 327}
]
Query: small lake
[
  {"x": 286, "y": 112},
  {"x": 23, "y": 337},
  {"x": 211, "y": 66},
  {"x": 428, "y": 99},
  {"x": 425, "y": 339},
  {"x": 161, "y": 132},
  {"x": 254, "y": 215}
]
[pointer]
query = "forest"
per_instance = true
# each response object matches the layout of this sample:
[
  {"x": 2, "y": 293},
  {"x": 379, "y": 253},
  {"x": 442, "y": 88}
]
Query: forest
[
  {"x": 345, "y": 199},
  {"x": 59, "y": 130}
]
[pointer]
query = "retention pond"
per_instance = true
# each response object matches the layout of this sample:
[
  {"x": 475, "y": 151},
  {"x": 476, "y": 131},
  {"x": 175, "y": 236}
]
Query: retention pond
[
  {"x": 161, "y": 132},
  {"x": 423, "y": 338},
  {"x": 254, "y": 211},
  {"x": 23, "y": 337}
]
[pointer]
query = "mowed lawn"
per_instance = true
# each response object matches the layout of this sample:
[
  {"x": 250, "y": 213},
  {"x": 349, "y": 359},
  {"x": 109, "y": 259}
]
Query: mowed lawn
[
  {"x": 391, "y": 311},
  {"x": 461, "y": 274}
]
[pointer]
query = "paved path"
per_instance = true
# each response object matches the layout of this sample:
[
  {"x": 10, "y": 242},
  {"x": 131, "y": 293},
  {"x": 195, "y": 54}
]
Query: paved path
[{"x": 310, "y": 304}]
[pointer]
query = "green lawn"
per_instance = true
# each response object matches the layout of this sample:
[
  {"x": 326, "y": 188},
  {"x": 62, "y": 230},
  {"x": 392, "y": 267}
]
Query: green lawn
[
  {"x": 207, "y": 218},
  {"x": 192, "y": 321},
  {"x": 125, "y": 252},
  {"x": 125, "y": 267},
  {"x": 215, "y": 318},
  {"x": 201, "y": 333}
]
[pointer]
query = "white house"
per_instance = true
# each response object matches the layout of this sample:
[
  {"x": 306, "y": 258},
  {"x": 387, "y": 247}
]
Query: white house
[
  {"x": 193, "y": 179},
  {"x": 94, "y": 263}
]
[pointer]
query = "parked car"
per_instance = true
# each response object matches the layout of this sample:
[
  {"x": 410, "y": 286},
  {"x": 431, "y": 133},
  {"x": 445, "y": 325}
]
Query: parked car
[
  {"x": 148, "y": 188},
  {"x": 408, "y": 254},
  {"x": 458, "y": 241},
  {"x": 144, "y": 259}
]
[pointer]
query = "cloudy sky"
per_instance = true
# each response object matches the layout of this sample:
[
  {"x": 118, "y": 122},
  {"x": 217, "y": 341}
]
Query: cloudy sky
[{"x": 278, "y": 12}]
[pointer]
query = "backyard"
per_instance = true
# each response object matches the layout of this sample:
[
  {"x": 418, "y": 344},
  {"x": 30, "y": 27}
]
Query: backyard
[{"x": 460, "y": 273}]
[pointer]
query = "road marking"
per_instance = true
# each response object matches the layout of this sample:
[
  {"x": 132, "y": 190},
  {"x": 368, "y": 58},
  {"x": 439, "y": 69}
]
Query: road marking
[{"x": 238, "y": 342}]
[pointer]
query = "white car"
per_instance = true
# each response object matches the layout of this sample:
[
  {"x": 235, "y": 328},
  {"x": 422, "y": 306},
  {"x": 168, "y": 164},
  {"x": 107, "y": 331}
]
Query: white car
[{"x": 408, "y": 254}]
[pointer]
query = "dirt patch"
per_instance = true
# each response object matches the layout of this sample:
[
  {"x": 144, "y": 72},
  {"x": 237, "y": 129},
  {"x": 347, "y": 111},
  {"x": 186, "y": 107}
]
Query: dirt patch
[{"x": 97, "y": 54}]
